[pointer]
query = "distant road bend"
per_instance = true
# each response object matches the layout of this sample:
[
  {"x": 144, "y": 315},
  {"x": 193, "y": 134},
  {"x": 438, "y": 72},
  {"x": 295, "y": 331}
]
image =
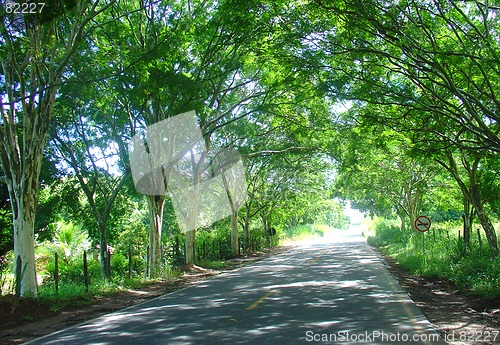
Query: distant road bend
[{"x": 338, "y": 292}]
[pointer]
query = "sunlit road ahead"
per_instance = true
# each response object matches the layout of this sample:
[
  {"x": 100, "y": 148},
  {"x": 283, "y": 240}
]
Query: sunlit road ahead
[{"x": 335, "y": 292}]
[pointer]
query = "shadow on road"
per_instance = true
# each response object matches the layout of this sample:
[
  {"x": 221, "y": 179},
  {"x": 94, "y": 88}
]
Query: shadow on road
[{"x": 318, "y": 291}]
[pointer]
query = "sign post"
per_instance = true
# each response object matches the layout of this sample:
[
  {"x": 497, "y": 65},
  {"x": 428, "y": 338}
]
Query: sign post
[{"x": 423, "y": 224}]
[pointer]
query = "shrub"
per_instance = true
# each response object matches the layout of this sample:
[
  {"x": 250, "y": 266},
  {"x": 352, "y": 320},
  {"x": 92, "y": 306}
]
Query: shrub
[
  {"x": 384, "y": 232},
  {"x": 119, "y": 265},
  {"x": 72, "y": 271},
  {"x": 300, "y": 232}
]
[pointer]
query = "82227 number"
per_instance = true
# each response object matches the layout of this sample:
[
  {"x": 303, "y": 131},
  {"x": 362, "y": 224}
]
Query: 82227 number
[{"x": 24, "y": 8}]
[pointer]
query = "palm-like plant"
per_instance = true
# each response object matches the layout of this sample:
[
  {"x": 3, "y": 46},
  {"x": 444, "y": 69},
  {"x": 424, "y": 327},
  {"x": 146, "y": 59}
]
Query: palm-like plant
[{"x": 70, "y": 239}]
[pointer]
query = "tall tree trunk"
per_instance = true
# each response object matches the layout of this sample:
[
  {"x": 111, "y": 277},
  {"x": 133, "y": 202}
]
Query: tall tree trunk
[
  {"x": 156, "y": 205},
  {"x": 467, "y": 218},
  {"x": 484, "y": 219},
  {"x": 192, "y": 224},
  {"x": 190, "y": 246},
  {"x": 21, "y": 165},
  {"x": 402, "y": 216},
  {"x": 103, "y": 250},
  {"x": 234, "y": 233},
  {"x": 266, "y": 231}
]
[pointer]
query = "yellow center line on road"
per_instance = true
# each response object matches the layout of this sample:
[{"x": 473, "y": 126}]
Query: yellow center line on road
[
  {"x": 260, "y": 300},
  {"x": 313, "y": 260}
]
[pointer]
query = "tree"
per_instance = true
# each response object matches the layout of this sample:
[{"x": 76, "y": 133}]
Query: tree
[
  {"x": 430, "y": 69},
  {"x": 469, "y": 185},
  {"x": 377, "y": 172},
  {"x": 87, "y": 143},
  {"x": 435, "y": 57},
  {"x": 198, "y": 59},
  {"x": 35, "y": 54}
]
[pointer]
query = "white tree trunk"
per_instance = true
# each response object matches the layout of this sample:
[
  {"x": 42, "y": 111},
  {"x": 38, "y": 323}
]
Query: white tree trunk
[{"x": 24, "y": 247}]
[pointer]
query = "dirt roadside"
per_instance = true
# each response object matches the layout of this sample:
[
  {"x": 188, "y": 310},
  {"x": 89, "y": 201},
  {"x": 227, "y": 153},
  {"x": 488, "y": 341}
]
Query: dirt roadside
[
  {"x": 466, "y": 317},
  {"x": 458, "y": 317}
]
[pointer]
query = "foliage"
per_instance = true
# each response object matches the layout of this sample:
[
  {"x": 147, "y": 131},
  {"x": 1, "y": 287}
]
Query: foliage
[
  {"x": 6, "y": 239},
  {"x": 391, "y": 105},
  {"x": 384, "y": 232},
  {"x": 71, "y": 272},
  {"x": 4, "y": 273},
  {"x": 301, "y": 232},
  {"x": 69, "y": 242}
]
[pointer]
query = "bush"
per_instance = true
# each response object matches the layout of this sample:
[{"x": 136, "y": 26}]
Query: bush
[
  {"x": 478, "y": 274},
  {"x": 119, "y": 265},
  {"x": 5, "y": 267},
  {"x": 301, "y": 232},
  {"x": 71, "y": 271},
  {"x": 384, "y": 232}
]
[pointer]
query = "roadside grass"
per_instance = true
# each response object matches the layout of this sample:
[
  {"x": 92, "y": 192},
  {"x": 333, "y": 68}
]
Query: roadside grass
[
  {"x": 305, "y": 232},
  {"x": 213, "y": 264},
  {"x": 440, "y": 254},
  {"x": 74, "y": 294},
  {"x": 302, "y": 232}
]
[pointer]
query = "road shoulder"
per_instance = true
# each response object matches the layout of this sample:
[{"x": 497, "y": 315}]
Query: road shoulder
[{"x": 466, "y": 319}]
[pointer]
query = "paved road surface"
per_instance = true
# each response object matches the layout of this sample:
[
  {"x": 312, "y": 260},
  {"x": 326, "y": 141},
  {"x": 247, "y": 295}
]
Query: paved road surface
[{"x": 336, "y": 292}]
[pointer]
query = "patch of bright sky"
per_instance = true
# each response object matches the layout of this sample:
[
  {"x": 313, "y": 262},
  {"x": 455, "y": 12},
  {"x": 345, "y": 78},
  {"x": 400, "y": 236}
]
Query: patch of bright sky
[
  {"x": 354, "y": 215},
  {"x": 341, "y": 107},
  {"x": 107, "y": 158}
]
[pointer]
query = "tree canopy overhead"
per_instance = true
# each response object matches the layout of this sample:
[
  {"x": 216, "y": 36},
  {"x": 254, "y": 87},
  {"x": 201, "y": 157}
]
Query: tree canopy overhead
[{"x": 364, "y": 91}]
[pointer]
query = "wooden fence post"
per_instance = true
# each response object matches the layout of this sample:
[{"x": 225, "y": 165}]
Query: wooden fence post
[
  {"x": 129, "y": 262},
  {"x": 109, "y": 263},
  {"x": 56, "y": 272},
  {"x": 479, "y": 239},
  {"x": 85, "y": 271}
]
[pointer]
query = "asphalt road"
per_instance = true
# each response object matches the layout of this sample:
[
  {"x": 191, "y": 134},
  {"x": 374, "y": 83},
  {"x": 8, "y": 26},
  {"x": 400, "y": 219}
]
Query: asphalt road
[{"x": 329, "y": 293}]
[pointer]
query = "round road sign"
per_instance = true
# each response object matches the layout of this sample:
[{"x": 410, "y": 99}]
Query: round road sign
[{"x": 422, "y": 223}]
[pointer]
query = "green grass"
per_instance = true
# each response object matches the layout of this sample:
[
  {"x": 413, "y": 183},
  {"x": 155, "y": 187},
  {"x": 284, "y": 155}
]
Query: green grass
[
  {"x": 215, "y": 265},
  {"x": 439, "y": 253},
  {"x": 74, "y": 294},
  {"x": 68, "y": 294}
]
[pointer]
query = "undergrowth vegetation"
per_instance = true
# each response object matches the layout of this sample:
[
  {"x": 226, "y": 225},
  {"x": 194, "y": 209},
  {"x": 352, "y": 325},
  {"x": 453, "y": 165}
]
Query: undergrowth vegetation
[
  {"x": 302, "y": 232},
  {"x": 440, "y": 253},
  {"x": 59, "y": 287}
]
